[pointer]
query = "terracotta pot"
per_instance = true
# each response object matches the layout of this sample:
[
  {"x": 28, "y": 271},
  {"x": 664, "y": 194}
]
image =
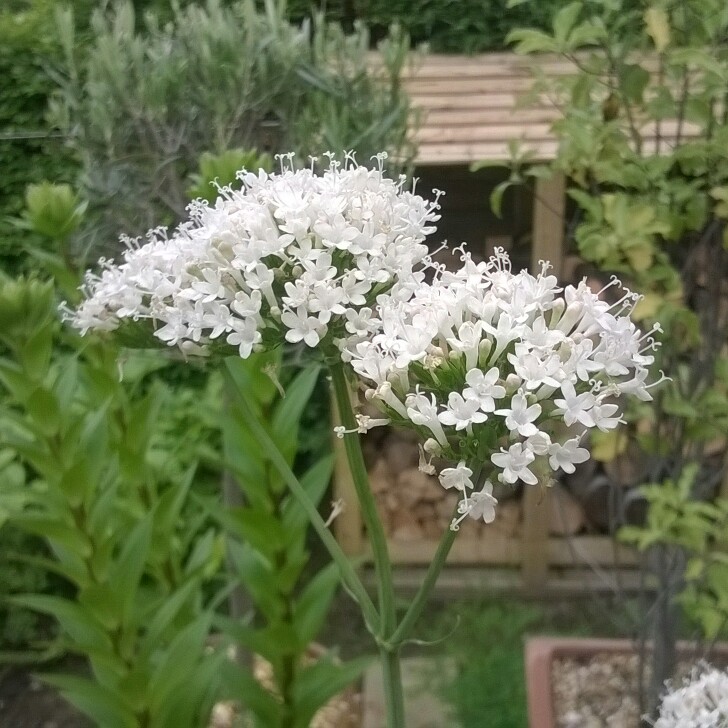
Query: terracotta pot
[{"x": 542, "y": 651}]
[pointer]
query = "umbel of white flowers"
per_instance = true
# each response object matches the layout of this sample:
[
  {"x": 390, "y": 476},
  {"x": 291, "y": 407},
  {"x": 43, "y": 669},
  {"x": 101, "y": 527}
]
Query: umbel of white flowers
[
  {"x": 504, "y": 369},
  {"x": 296, "y": 256},
  {"x": 488, "y": 366},
  {"x": 702, "y": 702}
]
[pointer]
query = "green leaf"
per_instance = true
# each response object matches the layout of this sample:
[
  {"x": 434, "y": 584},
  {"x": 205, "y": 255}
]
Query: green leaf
[
  {"x": 287, "y": 413},
  {"x": 36, "y": 353},
  {"x": 633, "y": 81},
  {"x": 126, "y": 573},
  {"x": 496, "y": 197},
  {"x": 315, "y": 482},
  {"x": 55, "y": 531},
  {"x": 103, "y": 705},
  {"x": 254, "y": 696},
  {"x": 178, "y": 661},
  {"x": 164, "y": 616},
  {"x": 319, "y": 682},
  {"x": 564, "y": 21},
  {"x": 658, "y": 27},
  {"x": 43, "y": 407},
  {"x": 83, "y": 628},
  {"x": 314, "y": 603}
]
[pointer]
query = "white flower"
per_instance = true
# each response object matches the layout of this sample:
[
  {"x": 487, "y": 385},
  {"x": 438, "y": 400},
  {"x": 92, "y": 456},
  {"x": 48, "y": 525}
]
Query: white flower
[
  {"x": 483, "y": 388},
  {"x": 283, "y": 252},
  {"x": 483, "y": 355},
  {"x": 602, "y": 414},
  {"x": 244, "y": 335},
  {"x": 575, "y": 408},
  {"x": 482, "y": 504},
  {"x": 302, "y": 327},
  {"x": 519, "y": 416},
  {"x": 514, "y": 462},
  {"x": 458, "y": 477},
  {"x": 461, "y": 412},
  {"x": 567, "y": 455}
]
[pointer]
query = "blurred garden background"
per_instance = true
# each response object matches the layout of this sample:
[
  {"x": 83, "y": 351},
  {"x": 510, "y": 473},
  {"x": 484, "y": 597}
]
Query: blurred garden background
[{"x": 141, "y": 528}]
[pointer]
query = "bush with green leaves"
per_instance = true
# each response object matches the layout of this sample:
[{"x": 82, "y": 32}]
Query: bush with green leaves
[
  {"x": 695, "y": 531},
  {"x": 112, "y": 520},
  {"x": 141, "y": 106},
  {"x": 30, "y": 150},
  {"x": 269, "y": 552},
  {"x": 642, "y": 140}
]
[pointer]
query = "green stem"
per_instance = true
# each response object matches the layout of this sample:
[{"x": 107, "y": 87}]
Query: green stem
[
  {"x": 393, "y": 694},
  {"x": 414, "y": 611},
  {"x": 373, "y": 523},
  {"x": 348, "y": 574}
]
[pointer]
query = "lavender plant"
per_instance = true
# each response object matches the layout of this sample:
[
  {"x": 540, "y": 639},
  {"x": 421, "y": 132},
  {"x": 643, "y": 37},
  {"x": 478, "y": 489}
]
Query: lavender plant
[{"x": 500, "y": 373}]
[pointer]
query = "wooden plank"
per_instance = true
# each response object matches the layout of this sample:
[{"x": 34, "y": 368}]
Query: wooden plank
[
  {"x": 434, "y": 154},
  {"x": 348, "y": 525},
  {"x": 534, "y": 539},
  {"x": 458, "y": 85},
  {"x": 487, "y": 115},
  {"x": 581, "y": 551},
  {"x": 433, "y": 102},
  {"x": 548, "y": 223},
  {"x": 483, "y": 133},
  {"x": 470, "y": 581}
]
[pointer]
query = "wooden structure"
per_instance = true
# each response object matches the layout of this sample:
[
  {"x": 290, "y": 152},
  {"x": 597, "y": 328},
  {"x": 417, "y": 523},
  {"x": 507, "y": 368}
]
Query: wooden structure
[{"x": 469, "y": 111}]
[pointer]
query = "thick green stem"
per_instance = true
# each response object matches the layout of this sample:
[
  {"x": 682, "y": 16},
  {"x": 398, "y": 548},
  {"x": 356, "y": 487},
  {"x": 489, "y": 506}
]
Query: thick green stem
[
  {"x": 348, "y": 574},
  {"x": 393, "y": 695},
  {"x": 373, "y": 523},
  {"x": 414, "y": 611}
]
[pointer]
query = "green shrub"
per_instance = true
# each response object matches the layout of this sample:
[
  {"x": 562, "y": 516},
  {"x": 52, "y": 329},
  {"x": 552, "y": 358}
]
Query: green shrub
[
  {"x": 143, "y": 105},
  {"x": 29, "y": 149}
]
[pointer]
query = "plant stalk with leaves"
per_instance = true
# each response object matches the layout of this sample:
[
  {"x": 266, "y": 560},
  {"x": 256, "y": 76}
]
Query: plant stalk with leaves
[{"x": 642, "y": 141}]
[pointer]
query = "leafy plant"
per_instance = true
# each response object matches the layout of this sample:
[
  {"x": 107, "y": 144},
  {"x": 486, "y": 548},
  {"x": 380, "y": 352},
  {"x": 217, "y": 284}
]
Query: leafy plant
[
  {"x": 30, "y": 150},
  {"x": 269, "y": 550},
  {"x": 141, "y": 106},
  {"x": 696, "y": 532},
  {"x": 642, "y": 141},
  {"x": 221, "y": 170},
  {"x": 111, "y": 523}
]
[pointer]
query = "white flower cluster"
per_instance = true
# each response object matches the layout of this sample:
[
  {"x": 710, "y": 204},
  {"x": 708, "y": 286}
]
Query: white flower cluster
[
  {"x": 295, "y": 255},
  {"x": 500, "y": 368},
  {"x": 702, "y": 702}
]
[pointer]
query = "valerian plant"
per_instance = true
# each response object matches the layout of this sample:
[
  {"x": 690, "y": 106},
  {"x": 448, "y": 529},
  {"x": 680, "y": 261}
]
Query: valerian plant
[
  {"x": 642, "y": 137},
  {"x": 482, "y": 361}
]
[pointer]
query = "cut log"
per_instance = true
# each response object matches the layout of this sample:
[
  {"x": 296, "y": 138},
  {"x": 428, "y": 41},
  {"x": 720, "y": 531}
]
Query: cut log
[
  {"x": 400, "y": 453},
  {"x": 380, "y": 479},
  {"x": 405, "y": 527},
  {"x": 508, "y": 518},
  {"x": 425, "y": 487},
  {"x": 566, "y": 516}
]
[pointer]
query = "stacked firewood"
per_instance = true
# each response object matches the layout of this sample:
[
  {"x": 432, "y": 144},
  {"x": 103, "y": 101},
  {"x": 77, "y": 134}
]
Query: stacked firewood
[{"x": 597, "y": 498}]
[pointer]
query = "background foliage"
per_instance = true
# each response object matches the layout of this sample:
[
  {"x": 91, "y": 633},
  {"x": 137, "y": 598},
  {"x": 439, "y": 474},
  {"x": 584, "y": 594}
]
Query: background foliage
[{"x": 642, "y": 141}]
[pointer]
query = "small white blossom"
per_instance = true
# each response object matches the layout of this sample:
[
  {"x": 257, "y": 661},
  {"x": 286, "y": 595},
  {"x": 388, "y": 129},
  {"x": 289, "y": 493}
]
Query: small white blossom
[
  {"x": 519, "y": 416},
  {"x": 483, "y": 387},
  {"x": 515, "y": 462},
  {"x": 458, "y": 477},
  {"x": 461, "y": 412},
  {"x": 565, "y": 456}
]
